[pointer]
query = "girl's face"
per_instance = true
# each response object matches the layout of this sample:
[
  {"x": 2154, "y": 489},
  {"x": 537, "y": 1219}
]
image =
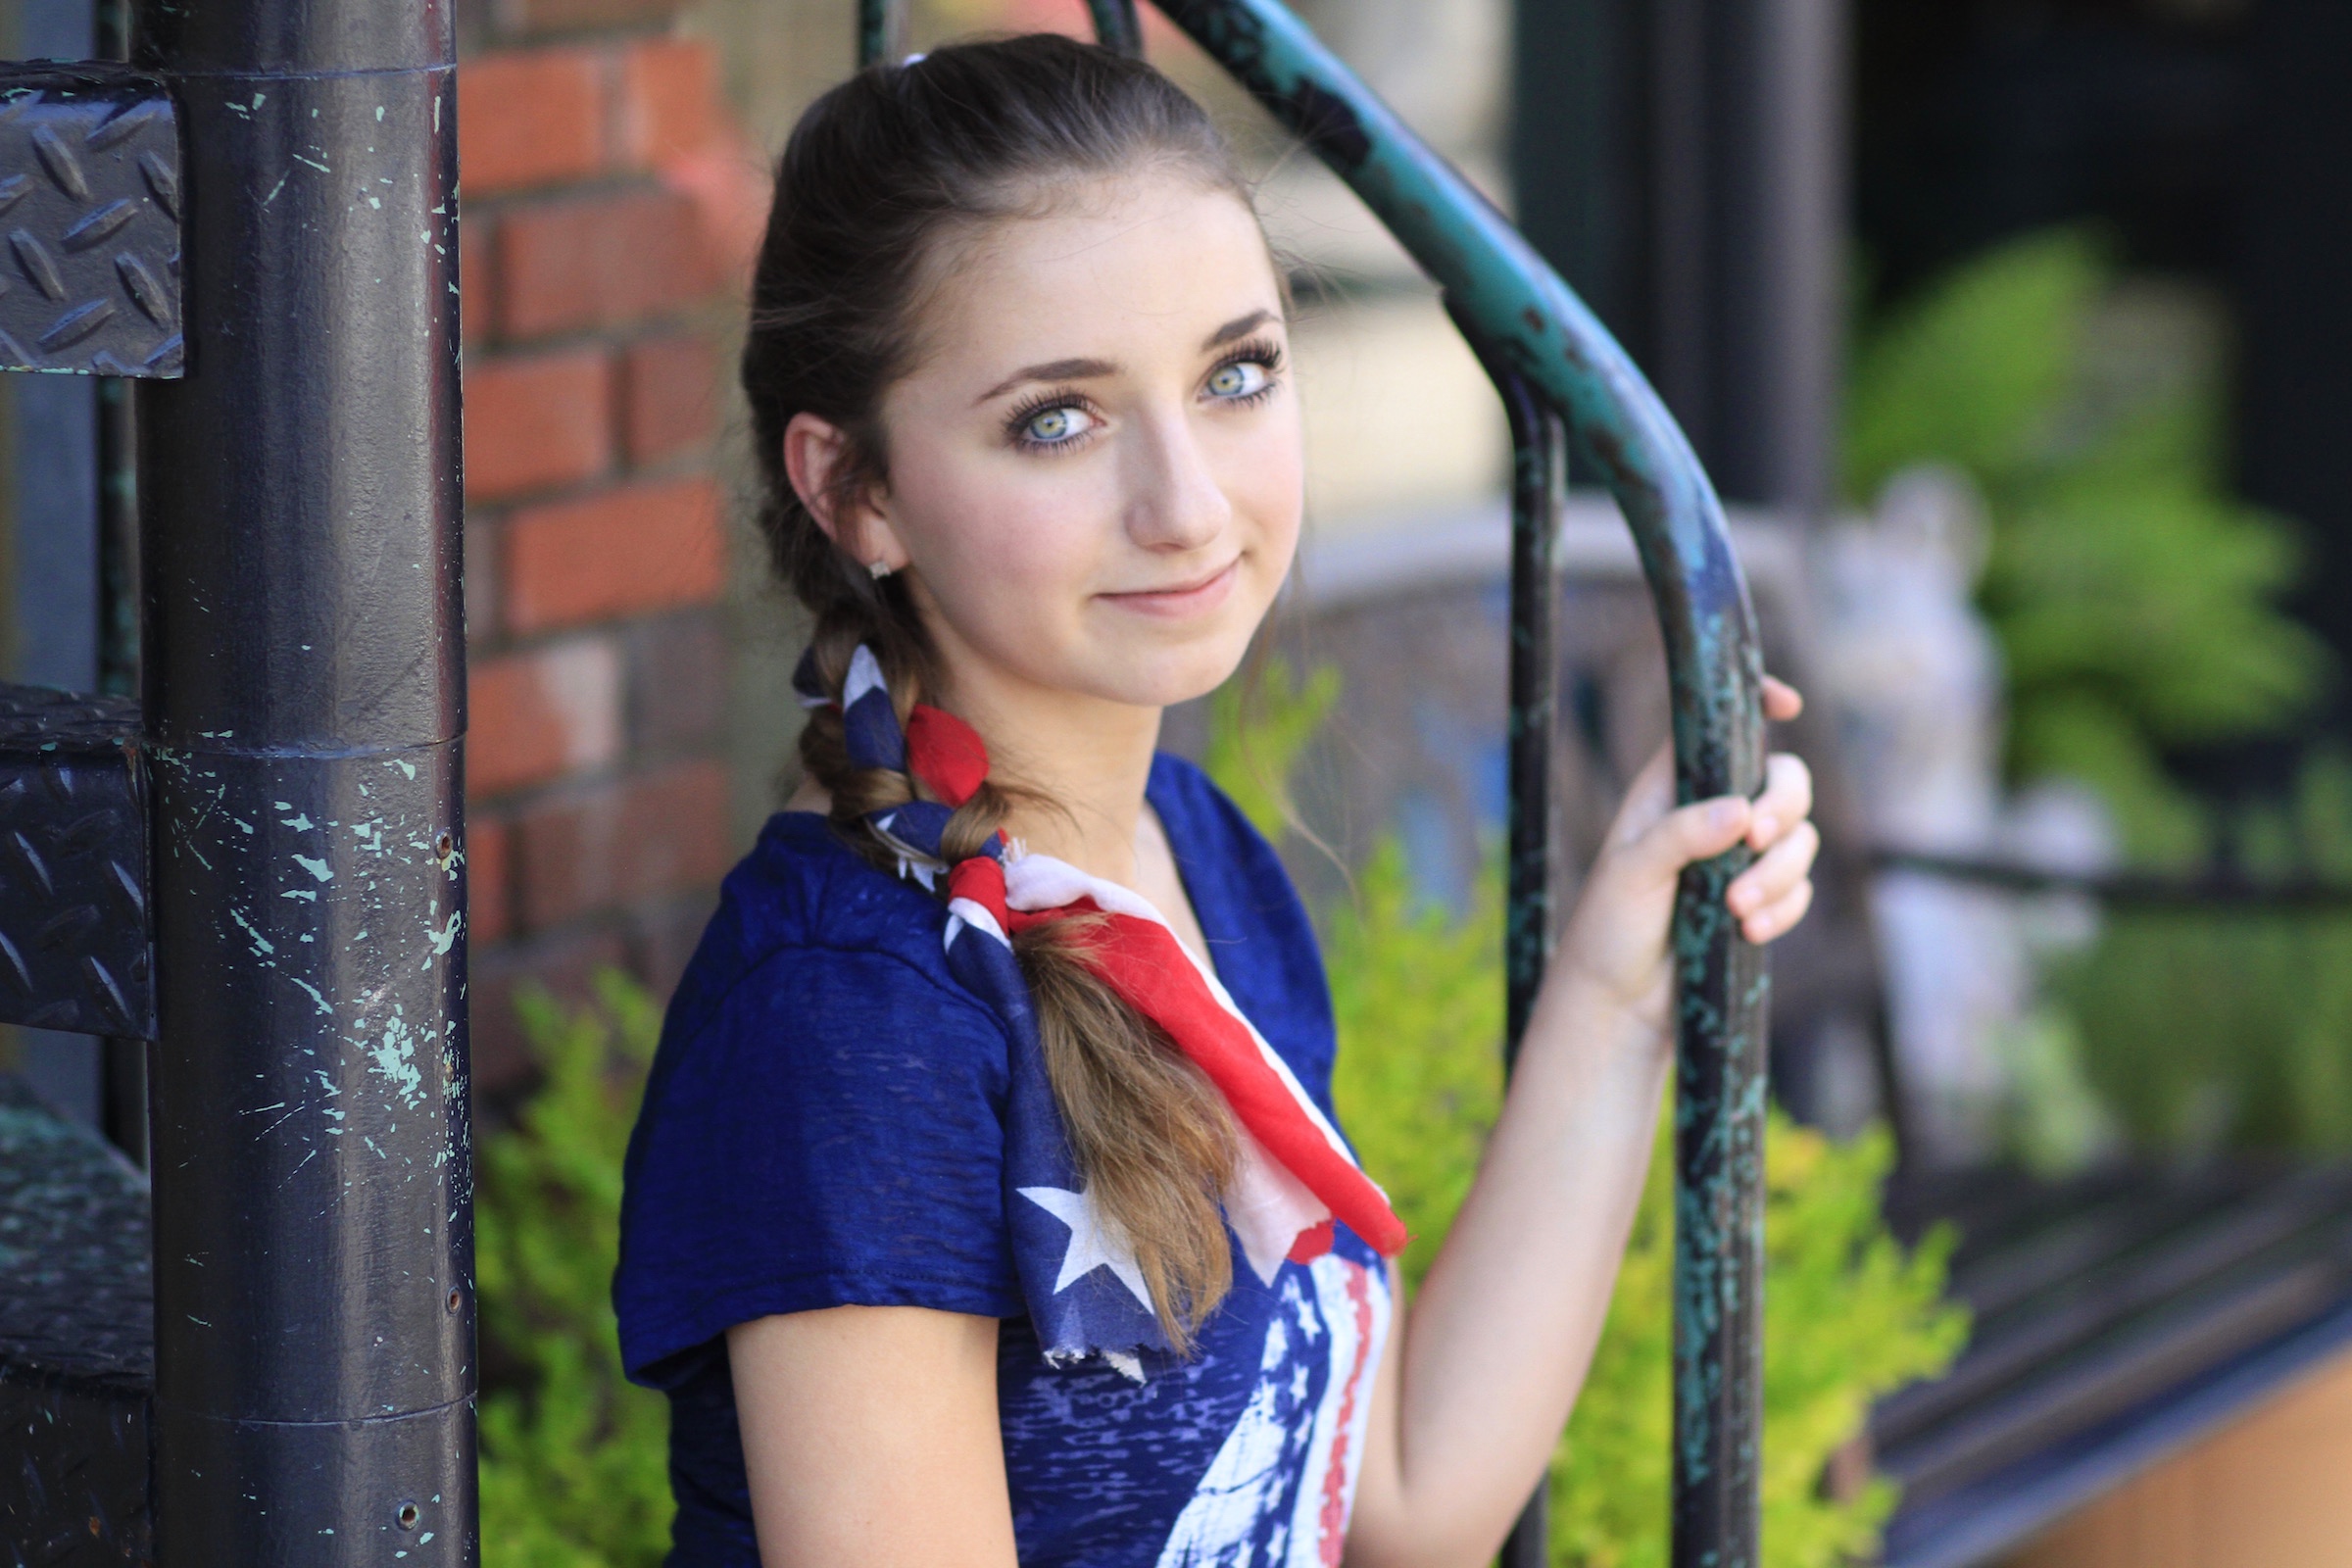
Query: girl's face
[{"x": 1095, "y": 470}]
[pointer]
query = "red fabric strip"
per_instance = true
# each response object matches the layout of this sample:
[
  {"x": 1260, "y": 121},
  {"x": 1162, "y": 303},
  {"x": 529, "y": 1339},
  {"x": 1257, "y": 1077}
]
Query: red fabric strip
[
  {"x": 1144, "y": 964},
  {"x": 946, "y": 754}
]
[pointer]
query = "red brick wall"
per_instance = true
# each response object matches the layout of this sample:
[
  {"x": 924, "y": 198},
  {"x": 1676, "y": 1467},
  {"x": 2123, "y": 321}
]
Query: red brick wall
[{"x": 603, "y": 205}]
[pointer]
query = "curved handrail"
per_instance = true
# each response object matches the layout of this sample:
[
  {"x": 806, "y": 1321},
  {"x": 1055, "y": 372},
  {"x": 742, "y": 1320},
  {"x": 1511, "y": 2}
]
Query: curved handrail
[
  {"x": 1500, "y": 289},
  {"x": 1548, "y": 354}
]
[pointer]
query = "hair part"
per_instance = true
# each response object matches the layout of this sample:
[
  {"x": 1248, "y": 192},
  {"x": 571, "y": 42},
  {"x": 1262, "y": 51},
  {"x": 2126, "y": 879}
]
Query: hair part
[{"x": 882, "y": 180}]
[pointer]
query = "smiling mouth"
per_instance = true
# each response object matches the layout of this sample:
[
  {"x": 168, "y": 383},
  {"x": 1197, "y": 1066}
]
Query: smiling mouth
[{"x": 1184, "y": 598}]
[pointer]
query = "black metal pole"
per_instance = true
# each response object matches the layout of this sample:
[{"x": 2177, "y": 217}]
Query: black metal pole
[
  {"x": 124, "y": 1068},
  {"x": 881, "y": 30},
  {"x": 1117, "y": 27},
  {"x": 1539, "y": 492},
  {"x": 303, "y": 675}
]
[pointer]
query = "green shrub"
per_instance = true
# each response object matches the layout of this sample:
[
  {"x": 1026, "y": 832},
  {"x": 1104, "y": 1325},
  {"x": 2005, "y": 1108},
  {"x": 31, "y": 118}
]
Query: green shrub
[
  {"x": 1418, "y": 995},
  {"x": 2133, "y": 597},
  {"x": 1258, "y": 725},
  {"x": 574, "y": 1462},
  {"x": 2231, "y": 1026},
  {"x": 1848, "y": 1315},
  {"x": 2134, "y": 600}
]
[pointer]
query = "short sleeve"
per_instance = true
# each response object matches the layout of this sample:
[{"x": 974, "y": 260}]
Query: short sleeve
[{"x": 830, "y": 1134}]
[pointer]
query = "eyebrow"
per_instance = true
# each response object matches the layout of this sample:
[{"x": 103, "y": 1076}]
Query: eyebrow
[
  {"x": 1083, "y": 370},
  {"x": 1050, "y": 371},
  {"x": 1238, "y": 326}
]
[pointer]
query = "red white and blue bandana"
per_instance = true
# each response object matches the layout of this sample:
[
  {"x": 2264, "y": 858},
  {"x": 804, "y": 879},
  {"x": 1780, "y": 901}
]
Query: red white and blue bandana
[{"x": 1085, "y": 1294}]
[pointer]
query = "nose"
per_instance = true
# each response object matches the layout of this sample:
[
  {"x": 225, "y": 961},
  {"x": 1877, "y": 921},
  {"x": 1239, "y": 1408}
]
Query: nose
[{"x": 1174, "y": 503}]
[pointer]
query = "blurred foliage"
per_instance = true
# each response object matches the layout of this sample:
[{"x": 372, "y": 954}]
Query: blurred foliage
[
  {"x": 2135, "y": 599},
  {"x": 1417, "y": 991},
  {"x": 1258, "y": 727},
  {"x": 575, "y": 1461},
  {"x": 2215, "y": 1027},
  {"x": 1848, "y": 1318}
]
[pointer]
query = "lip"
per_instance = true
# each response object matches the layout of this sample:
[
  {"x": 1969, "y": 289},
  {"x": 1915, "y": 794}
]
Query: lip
[{"x": 1200, "y": 594}]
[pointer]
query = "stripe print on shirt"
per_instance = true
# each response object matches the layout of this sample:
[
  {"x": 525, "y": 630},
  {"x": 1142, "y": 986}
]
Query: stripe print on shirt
[{"x": 1279, "y": 1491}]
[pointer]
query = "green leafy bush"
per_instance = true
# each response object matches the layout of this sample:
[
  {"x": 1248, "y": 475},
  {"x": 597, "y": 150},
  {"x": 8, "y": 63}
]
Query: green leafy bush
[
  {"x": 2133, "y": 597},
  {"x": 1848, "y": 1315},
  {"x": 2135, "y": 605},
  {"x": 2231, "y": 1026},
  {"x": 1258, "y": 725},
  {"x": 1418, "y": 995},
  {"x": 575, "y": 1461}
]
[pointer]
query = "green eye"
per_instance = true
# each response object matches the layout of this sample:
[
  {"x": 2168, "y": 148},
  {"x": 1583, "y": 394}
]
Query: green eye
[
  {"x": 1238, "y": 379},
  {"x": 1051, "y": 427}
]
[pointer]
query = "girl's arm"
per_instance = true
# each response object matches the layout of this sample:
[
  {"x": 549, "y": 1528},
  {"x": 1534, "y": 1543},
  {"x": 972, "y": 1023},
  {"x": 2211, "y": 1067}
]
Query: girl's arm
[
  {"x": 1476, "y": 1386},
  {"x": 870, "y": 1437}
]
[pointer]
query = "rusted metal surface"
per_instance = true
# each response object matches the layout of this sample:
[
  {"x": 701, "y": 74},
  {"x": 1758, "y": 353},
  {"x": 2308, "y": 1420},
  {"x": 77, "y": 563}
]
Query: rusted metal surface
[
  {"x": 303, "y": 674},
  {"x": 1529, "y": 324},
  {"x": 76, "y": 1345},
  {"x": 1538, "y": 492}
]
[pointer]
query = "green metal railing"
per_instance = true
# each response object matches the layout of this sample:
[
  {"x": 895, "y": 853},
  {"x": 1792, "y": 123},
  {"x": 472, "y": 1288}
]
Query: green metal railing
[{"x": 1568, "y": 387}]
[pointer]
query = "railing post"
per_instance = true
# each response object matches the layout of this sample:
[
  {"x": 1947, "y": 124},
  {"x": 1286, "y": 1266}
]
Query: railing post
[
  {"x": 304, "y": 673},
  {"x": 1528, "y": 323},
  {"x": 1538, "y": 492}
]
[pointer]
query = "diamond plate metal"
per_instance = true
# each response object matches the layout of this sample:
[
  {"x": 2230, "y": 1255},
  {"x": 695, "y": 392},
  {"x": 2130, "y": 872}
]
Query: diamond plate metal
[
  {"x": 76, "y": 1345},
  {"x": 89, "y": 222},
  {"x": 74, "y": 943}
]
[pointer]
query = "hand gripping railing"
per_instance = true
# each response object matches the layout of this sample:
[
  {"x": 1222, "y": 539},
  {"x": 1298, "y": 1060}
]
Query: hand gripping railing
[{"x": 1565, "y": 383}]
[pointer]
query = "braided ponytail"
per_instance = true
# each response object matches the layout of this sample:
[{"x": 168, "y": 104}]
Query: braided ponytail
[{"x": 880, "y": 169}]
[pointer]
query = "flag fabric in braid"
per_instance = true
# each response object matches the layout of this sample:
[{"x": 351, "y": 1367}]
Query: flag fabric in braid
[{"x": 1295, "y": 1175}]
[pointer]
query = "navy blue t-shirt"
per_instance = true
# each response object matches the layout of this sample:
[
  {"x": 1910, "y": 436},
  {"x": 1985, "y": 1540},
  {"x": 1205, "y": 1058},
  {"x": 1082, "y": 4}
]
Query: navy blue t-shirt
[{"x": 824, "y": 1126}]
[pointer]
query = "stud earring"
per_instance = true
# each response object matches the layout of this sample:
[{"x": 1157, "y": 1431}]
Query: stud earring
[{"x": 879, "y": 569}]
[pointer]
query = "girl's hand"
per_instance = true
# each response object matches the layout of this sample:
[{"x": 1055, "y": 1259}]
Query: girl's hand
[{"x": 1616, "y": 940}]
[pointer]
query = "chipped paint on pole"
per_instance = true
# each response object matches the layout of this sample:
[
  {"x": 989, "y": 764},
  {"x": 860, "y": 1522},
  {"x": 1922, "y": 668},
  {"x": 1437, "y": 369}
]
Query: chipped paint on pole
[
  {"x": 1540, "y": 341},
  {"x": 304, "y": 705}
]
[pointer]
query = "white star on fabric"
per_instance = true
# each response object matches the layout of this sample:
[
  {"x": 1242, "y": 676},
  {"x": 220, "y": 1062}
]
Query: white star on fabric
[{"x": 1095, "y": 1242}]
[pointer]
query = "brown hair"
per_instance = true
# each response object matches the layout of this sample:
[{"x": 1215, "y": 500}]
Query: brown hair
[{"x": 879, "y": 176}]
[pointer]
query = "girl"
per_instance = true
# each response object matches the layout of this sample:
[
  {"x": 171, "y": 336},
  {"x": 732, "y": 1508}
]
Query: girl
[{"x": 985, "y": 1207}]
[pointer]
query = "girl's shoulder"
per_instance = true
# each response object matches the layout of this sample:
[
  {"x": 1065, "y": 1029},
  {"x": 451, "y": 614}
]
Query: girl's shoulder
[
  {"x": 824, "y": 1117},
  {"x": 804, "y": 899}
]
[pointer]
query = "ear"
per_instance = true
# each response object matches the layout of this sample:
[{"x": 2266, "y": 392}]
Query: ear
[{"x": 814, "y": 453}]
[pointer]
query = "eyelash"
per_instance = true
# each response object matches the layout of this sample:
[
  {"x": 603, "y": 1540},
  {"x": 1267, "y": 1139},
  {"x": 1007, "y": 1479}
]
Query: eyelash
[
  {"x": 1264, "y": 352},
  {"x": 1017, "y": 424}
]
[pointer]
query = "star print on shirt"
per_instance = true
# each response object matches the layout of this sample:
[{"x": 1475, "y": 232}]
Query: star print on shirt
[{"x": 1095, "y": 1242}]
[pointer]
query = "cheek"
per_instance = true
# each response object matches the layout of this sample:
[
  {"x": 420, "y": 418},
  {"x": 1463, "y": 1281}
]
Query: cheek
[
  {"x": 998, "y": 542},
  {"x": 1263, "y": 475}
]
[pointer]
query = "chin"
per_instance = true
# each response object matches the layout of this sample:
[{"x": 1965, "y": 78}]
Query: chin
[{"x": 1167, "y": 678}]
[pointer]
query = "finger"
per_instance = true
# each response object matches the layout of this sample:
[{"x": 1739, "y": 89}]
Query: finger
[
  {"x": 1694, "y": 832},
  {"x": 1776, "y": 871},
  {"x": 1787, "y": 797},
  {"x": 1782, "y": 701},
  {"x": 1648, "y": 798},
  {"x": 1779, "y": 920}
]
